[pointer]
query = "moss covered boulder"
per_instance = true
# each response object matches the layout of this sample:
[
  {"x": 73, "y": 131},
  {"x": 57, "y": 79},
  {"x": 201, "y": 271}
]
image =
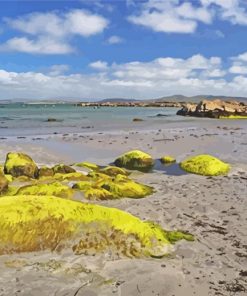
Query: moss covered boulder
[
  {"x": 83, "y": 185},
  {"x": 121, "y": 186},
  {"x": 167, "y": 159},
  {"x": 63, "y": 169},
  {"x": 36, "y": 223},
  {"x": 206, "y": 165},
  {"x": 46, "y": 172},
  {"x": 3, "y": 183},
  {"x": 55, "y": 189},
  {"x": 77, "y": 176},
  {"x": 113, "y": 171},
  {"x": 20, "y": 164},
  {"x": 95, "y": 193},
  {"x": 135, "y": 160},
  {"x": 88, "y": 165}
]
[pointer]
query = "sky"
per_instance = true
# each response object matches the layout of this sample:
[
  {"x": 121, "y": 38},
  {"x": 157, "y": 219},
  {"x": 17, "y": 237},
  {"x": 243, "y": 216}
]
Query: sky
[{"x": 92, "y": 49}]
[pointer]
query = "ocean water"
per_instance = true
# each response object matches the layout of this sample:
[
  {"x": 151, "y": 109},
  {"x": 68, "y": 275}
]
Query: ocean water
[{"x": 32, "y": 119}]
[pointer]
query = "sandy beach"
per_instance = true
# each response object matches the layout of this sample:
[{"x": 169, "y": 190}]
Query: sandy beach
[{"x": 213, "y": 209}]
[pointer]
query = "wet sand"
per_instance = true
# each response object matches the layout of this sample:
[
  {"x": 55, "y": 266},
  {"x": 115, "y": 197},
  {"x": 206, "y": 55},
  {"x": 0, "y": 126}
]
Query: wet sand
[{"x": 214, "y": 209}]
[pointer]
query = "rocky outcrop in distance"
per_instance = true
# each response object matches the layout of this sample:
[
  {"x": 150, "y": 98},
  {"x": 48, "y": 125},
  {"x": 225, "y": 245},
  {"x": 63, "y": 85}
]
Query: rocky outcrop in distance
[
  {"x": 130, "y": 104},
  {"x": 215, "y": 109}
]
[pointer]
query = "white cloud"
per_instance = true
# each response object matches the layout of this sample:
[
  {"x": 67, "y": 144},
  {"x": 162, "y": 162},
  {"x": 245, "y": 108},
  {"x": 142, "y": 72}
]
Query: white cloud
[
  {"x": 115, "y": 39},
  {"x": 171, "y": 17},
  {"x": 99, "y": 65},
  {"x": 56, "y": 70},
  {"x": 41, "y": 45},
  {"x": 159, "y": 77},
  {"x": 239, "y": 64},
  {"x": 51, "y": 33},
  {"x": 234, "y": 11}
]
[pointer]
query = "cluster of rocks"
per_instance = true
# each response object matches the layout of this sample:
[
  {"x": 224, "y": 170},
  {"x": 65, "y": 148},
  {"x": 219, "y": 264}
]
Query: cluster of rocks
[
  {"x": 131, "y": 104},
  {"x": 215, "y": 109}
]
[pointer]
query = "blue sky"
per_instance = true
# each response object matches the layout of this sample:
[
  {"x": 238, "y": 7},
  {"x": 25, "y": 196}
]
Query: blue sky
[{"x": 126, "y": 48}]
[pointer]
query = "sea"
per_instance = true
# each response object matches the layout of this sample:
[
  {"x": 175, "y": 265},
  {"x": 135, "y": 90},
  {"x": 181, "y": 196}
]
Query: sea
[{"x": 19, "y": 119}]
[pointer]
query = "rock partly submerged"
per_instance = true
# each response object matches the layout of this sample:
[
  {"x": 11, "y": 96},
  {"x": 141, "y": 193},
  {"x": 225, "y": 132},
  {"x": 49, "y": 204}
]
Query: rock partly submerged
[
  {"x": 167, "y": 159},
  {"x": 215, "y": 109},
  {"x": 58, "y": 224},
  {"x": 206, "y": 165},
  {"x": 135, "y": 160},
  {"x": 20, "y": 164}
]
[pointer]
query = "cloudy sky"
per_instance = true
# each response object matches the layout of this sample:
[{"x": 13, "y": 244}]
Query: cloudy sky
[{"x": 122, "y": 48}]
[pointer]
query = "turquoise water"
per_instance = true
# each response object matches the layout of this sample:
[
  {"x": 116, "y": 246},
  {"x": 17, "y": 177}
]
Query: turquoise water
[{"x": 30, "y": 119}]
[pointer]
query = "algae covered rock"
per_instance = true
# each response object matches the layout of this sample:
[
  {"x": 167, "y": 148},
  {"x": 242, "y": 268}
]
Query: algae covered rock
[
  {"x": 63, "y": 169},
  {"x": 20, "y": 164},
  {"x": 113, "y": 171},
  {"x": 135, "y": 160},
  {"x": 206, "y": 165},
  {"x": 3, "y": 182},
  {"x": 83, "y": 185},
  {"x": 88, "y": 165},
  {"x": 35, "y": 223},
  {"x": 77, "y": 176},
  {"x": 46, "y": 172},
  {"x": 55, "y": 189},
  {"x": 98, "y": 194},
  {"x": 167, "y": 159},
  {"x": 121, "y": 186}
]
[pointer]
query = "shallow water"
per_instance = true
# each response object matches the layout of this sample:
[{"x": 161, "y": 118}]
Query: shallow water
[{"x": 27, "y": 119}]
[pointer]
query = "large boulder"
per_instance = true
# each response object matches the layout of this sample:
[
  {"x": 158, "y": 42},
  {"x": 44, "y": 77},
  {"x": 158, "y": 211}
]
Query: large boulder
[
  {"x": 135, "y": 160},
  {"x": 206, "y": 165},
  {"x": 20, "y": 164},
  {"x": 3, "y": 182},
  {"x": 37, "y": 223}
]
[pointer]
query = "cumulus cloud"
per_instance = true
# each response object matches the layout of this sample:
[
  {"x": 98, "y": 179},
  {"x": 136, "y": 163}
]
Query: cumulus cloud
[
  {"x": 51, "y": 33},
  {"x": 159, "y": 77},
  {"x": 239, "y": 64},
  {"x": 115, "y": 39},
  {"x": 99, "y": 65},
  {"x": 173, "y": 16}
]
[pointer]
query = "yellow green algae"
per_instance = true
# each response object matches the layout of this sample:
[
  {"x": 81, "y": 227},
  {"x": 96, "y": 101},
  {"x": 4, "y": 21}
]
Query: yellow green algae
[
  {"x": 83, "y": 185},
  {"x": 98, "y": 194},
  {"x": 20, "y": 164},
  {"x": 167, "y": 159},
  {"x": 101, "y": 187},
  {"x": 3, "y": 182},
  {"x": 113, "y": 171},
  {"x": 54, "y": 189},
  {"x": 63, "y": 169},
  {"x": 233, "y": 117},
  {"x": 135, "y": 160},
  {"x": 88, "y": 165},
  {"x": 34, "y": 223},
  {"x": 121, "y": 186},
  {"x": 77, "y": 176},
  {"x": 9, "y": 177},
  {"x": 206, "y": 165}
]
